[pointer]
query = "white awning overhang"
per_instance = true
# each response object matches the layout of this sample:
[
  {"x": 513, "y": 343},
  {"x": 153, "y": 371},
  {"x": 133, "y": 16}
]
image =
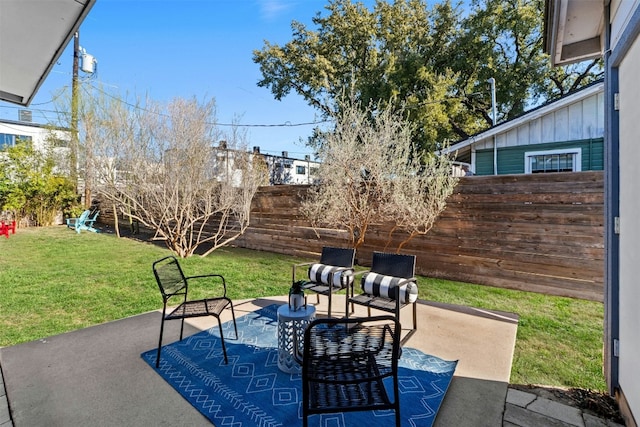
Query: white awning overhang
[
  {"x": 33, "y": 35},
  {"x": 573, "y": 30}
]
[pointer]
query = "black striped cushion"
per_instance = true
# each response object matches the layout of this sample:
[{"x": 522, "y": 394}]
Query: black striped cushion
[
  {"x": 328, "y": 274},
  {"x": 384, "y": 286}
]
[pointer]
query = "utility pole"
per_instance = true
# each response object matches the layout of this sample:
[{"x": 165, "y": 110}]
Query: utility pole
[
  {"x": 75, "y": 131},
  {"x": 492, "y": 82},
  {"x": 73, "y": 156}
]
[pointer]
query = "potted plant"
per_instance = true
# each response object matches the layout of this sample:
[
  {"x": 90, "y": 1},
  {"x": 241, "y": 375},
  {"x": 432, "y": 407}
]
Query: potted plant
[{"x": 296, "y": 295}]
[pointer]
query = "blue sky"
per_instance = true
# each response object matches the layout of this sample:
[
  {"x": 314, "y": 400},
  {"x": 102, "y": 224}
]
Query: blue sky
[{"x": 185, "y": 48}]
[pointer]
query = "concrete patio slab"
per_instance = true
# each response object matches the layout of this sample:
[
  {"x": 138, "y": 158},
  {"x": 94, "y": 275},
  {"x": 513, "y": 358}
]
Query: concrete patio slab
[{"x": 95, "y": 376}]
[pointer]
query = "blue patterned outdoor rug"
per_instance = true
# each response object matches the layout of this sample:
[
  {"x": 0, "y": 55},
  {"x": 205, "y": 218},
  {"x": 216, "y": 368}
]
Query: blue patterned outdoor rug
[{"x": 252, "y": 391}]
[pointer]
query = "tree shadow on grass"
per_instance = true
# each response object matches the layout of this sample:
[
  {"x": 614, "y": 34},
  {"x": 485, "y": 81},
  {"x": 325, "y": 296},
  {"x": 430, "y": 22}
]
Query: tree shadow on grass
[{"x": 146, "y": 235}]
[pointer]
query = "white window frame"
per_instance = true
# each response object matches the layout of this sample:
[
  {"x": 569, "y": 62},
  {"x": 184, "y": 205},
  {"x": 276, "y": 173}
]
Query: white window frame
[{"x": 577, "y": 152}]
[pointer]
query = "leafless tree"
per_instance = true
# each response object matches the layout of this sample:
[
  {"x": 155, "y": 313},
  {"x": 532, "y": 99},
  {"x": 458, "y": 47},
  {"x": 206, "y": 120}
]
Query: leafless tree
[
  {"x": 419, "y": 198},
  {"x": 371, "y": 173},
  {"x": 163, "y": 167}
]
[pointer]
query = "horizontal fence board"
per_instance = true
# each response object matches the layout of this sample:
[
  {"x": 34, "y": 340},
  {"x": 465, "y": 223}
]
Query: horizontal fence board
[
  {"x": 460, "y": 226},
  {"x": 531, "y": 198},
  {"x": 528, "y": 284},
  {"x": 550, "y": 218},
  {"x": 542, "y": 254},
  {"x": 582, "y": 182}
]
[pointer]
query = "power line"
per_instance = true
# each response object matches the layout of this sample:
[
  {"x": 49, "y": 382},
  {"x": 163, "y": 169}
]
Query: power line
[
  {"x": 137, "y": 107},
  {"x": 286, "y": 124}
]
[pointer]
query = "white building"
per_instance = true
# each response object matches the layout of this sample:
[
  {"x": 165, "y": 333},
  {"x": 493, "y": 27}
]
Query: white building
[
  {"x": 12, "y": 132},
  {"x": 287, "y": 170},
  {"x": 42, "y": 137}
]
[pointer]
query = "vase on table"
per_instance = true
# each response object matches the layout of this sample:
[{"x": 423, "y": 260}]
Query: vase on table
[{"x": 296, "y": 296}]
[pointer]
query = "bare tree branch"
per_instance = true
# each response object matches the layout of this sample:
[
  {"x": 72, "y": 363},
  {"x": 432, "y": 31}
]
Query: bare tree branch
[{"x": 371, "y": 173}]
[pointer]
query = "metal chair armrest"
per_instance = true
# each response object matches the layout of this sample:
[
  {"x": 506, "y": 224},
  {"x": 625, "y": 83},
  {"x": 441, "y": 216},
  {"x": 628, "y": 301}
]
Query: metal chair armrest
[
  {"x": 410, "y": 279},
  {"x": 340, "y": 269},
  {"x": 207, "y": 276},
  {"x": 359, "y": 273},
  {"x": 353, "y": 282},
  {"x": 293, "y": 274}
]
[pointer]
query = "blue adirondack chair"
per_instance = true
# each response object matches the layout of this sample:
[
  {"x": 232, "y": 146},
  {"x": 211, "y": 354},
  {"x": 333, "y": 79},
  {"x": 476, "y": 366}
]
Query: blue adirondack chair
[{"x": 83, "y": 222}]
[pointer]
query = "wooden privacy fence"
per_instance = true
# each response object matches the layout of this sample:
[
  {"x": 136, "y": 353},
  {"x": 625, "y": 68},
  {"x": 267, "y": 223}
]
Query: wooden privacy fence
[{"x": 541, "y": 233}]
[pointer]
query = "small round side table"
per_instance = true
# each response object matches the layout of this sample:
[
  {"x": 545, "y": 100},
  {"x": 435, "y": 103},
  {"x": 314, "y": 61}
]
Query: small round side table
[{"x": 292, "y": 324}]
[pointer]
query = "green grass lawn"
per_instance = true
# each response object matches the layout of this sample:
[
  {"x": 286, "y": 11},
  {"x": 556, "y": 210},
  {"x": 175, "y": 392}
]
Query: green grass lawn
[{"x": 53, "y": 280}]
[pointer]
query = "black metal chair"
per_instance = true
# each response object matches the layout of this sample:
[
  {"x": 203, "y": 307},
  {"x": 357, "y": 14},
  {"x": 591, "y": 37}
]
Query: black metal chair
[
  {"x": 172, "y": 282},
  {"x": 345, "y": 362},
  {"x": 389, "y": 285},
  {"x": 333, "y": 273}
]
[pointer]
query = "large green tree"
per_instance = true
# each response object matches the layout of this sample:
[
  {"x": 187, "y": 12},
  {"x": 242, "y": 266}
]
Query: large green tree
[
  {"x": 504, "y": 39},
  {"x": 379, "y": 56},
  {"x": 433, "y": 63}
]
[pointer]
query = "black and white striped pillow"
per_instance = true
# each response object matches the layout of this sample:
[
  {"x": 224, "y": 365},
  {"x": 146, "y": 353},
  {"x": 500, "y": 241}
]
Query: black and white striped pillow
[
  {"x": 328, "y": 274},
  {"x": 385, "y": 286}
]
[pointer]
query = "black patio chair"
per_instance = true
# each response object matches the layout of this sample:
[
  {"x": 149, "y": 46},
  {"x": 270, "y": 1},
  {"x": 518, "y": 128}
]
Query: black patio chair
[
  {"x": 172, "y": 282},
  {"x": 345, "y": 362},
  {"x": 389, "y": 285},
  {"x": 331, "y": 274}
]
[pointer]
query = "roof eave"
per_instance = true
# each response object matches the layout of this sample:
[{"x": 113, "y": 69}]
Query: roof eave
[
  {"x": 24, "y": 96},
  {"x": 560, "y": 18}
]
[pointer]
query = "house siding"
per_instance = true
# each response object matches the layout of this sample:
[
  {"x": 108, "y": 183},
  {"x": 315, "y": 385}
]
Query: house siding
[
  {"x": 11, "y": 132},
  {"x": 484, "y": 162},
  {"x": 511, "y": 159},
  {"x": 577, "y": 118}
]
